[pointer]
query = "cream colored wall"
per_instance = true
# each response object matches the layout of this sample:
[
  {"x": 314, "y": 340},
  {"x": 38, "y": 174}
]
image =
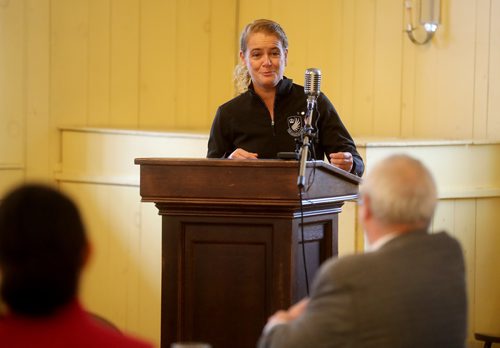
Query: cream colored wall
[
  {"x": 127, "y": 239},
  {"x": 167, "y": 64}
]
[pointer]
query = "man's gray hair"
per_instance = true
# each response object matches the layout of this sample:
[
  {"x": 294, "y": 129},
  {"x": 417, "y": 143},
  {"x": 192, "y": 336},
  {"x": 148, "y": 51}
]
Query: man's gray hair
[{"x": 401, "y": 190}]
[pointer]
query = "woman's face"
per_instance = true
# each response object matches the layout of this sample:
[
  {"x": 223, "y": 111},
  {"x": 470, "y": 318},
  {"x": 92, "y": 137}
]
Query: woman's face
[{"x": 265, "y": 59}]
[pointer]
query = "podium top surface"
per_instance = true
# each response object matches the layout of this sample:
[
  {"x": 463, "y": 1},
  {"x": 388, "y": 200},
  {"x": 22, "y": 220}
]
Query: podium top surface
[{"x": 267, "y": 182}]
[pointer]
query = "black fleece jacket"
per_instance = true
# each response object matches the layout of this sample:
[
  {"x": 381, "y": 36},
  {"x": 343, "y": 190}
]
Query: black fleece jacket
[{"x": 244, "y": 122}]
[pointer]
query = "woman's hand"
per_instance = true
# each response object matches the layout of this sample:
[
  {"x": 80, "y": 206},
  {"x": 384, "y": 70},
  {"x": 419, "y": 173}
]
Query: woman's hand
[
  {"x": 342, "y": 160},
  {"x": 242, "y": 154}
]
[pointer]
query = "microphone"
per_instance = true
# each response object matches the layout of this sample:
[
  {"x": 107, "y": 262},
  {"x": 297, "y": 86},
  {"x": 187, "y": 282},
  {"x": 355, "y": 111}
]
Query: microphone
[{"x": 312, "y": 87}]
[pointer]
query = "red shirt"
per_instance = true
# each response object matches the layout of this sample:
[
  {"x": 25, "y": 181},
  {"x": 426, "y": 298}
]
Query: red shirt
[{"x": 71, "y": 327}]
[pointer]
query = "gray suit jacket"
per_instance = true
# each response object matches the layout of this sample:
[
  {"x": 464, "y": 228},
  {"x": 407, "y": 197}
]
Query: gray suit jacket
[{"x": 409, "y": 293}]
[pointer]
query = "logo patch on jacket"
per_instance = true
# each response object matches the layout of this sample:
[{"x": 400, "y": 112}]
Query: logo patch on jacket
[{"x": 294, "y": 125}]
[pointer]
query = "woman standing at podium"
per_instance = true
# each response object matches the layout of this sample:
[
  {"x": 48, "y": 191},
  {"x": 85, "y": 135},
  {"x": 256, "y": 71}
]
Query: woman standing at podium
[{"x": 267, "y": 116}]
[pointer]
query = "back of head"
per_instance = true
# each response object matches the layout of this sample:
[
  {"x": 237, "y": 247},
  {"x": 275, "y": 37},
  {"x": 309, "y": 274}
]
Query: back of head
[
  {"x": 42, "y": 250},
  {"x": 401, "y": 191}
]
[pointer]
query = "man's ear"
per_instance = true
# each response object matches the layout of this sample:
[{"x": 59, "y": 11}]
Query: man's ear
[
  {"x": 86, "y": 254},
  {"x": 365, "y": 210}
]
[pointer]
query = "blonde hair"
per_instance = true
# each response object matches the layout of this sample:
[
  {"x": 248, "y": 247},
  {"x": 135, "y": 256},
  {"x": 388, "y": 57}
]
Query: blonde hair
[{"x": 241, "y": 75}]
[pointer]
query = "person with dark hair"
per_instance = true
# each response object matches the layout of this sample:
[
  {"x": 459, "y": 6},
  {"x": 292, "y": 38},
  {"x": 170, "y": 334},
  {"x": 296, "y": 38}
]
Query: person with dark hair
[
  {"x": 407, "y": 290},
  {"x": 267, "y": 117},
  {"x": 43, "y": 249}
]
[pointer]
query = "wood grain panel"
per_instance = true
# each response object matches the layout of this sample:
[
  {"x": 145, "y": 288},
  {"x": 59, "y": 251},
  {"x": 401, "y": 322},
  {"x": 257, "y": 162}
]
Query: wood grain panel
[
  {"x": 69, "y": 62},
  {"x": 493, "y": 125},
  {"x": 387, "y": 68},
  {"x": 250, "y": 10},
  {"x": 363, "y": 77},
  {"x": 293, "y": 18},
  {"x": 114, "y": 284},
  {"x": 124, "y": 93},
  {"x": 12, "y": 76},
  {"x": 333, "y": 67},
  {"x": 158, "y": 73},
  {"x": 487, "y": 294},
  {"x": 150, "y": 288},
  {"x": 458, "y": 218},
  {"x": 99, "y": 64},
  {"x": 346, "y": 102},
  {"x": 445, "y": 77},
  {"x": 224, "y": 56},
  {"x": 322, "y": 45},
  {"x": 192, "y": 63},
  {"x": 219, "y": 254},
  {"x": 481, "y": 66},
  {"x": 40, "y": 132}
]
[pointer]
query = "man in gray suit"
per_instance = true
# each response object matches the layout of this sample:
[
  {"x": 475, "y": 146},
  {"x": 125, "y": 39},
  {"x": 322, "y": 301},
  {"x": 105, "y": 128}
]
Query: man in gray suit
[{"x": 407, "y": 290}]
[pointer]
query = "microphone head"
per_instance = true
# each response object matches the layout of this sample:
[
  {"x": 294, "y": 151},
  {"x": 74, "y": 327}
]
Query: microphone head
[{"x": 312, "y": 84}]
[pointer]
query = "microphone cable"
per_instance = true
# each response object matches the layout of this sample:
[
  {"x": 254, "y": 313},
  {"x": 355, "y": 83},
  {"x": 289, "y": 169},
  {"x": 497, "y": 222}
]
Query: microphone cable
[{"x": 306, "y": 276}]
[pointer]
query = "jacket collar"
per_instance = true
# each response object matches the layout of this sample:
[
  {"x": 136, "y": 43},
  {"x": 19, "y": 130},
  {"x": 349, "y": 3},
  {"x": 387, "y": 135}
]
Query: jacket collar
[{"x": 282, "y": 88}]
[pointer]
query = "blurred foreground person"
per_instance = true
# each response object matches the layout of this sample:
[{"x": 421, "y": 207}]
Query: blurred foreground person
[{"x": 43, "y": 249}]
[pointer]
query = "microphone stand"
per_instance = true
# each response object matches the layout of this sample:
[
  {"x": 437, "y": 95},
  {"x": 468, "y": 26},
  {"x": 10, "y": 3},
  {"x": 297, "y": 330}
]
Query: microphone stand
[{"x": 307, "y": 139}]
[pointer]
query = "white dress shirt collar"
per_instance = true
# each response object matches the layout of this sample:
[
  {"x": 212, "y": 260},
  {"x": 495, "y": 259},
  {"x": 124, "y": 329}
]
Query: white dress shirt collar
[{"x": 382, "y": 241}]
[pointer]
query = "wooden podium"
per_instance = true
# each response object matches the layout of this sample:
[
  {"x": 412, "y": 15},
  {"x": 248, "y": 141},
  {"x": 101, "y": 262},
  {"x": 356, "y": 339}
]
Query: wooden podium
[{"x": 232, "y": 241}]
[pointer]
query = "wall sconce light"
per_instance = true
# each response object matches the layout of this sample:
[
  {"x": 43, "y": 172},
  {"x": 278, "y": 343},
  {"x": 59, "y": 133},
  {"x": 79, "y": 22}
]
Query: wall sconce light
[{"x": 429, "y": 15}]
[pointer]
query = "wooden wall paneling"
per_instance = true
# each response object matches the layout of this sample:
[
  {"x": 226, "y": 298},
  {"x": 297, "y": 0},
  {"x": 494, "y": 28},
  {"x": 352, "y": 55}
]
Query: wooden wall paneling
[
  {"x": 464, "y": 229},
  {"x": 346, "y": 72},
  {"x": 111, "y": 285},
  {"x": 12, "y": 79},
  {"x": 387, "y": 68},
  {"x": 426, "y": 122},
  {"x": 408, "y": 81},
  {"x": 158, "y": 73},
  {"x": 192, "y": 63},
  {"x": 41, "y": 154},
  {"x": 455, "y": 78},
  {"x": 126, "y": 263},
  {"x": 69, "y": 62},
  {"x": 293, "y": 16},
  {"x": 465, "y": 232},
  {"x": 445, "y": 77},
  {"x": 482, "y": 22},
  {"x": 457, "y": 217},
  {"x": 150, "y": 287},
  {"x": 99, "y": 64},
  {"x": 363, "y": 77},
  {"x": 250, "y": 10},
  {"x": 10, "y": 177},
  {"x": 332, "y": 79},
  {"x": 223, "y": 56},
  {"x": 493, "y": 124},
  {"x": 347, "y": 229},
  {"x": 443, "y": 217},
  {"x": 322, "y": 45},
  {"x": 487, "y": 299},
  {"x": 92, "y": 201},
  {"x": 124, "y": 89}
]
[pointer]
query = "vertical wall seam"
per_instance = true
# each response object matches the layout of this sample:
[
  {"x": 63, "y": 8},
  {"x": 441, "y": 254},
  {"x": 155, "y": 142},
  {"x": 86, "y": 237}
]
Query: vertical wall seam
[
  {"x": 139, "y": 62},
  {"x": 487, "y": 111},
  {"x": 374, "y": 68},
  {"x": 87, "y": 122}
]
